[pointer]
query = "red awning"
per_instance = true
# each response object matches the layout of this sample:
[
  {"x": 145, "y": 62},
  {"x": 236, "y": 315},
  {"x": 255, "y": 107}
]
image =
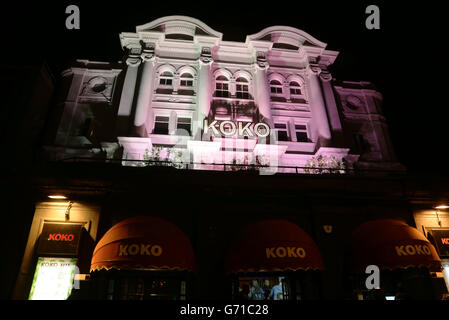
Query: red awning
[
  {"x": 273, "y": 245},
  {"x": 144, "y": 243},
  {"x": 391, "y": 244}
]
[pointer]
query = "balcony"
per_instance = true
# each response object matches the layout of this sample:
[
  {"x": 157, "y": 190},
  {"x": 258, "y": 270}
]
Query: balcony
[
  {"x": 235, "y": 110},
  {"x": 251, "y": 168}
]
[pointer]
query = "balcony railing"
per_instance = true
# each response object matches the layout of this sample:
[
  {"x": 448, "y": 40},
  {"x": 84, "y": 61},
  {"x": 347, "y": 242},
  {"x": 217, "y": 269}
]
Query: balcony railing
[{"x": 263, "y": 169}]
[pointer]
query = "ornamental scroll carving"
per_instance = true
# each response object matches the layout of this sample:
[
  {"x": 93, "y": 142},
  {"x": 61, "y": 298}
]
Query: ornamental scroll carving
[
  {"x": 148, "y": 51},
  {"x": 133, "y": 56},
  {"x": 206, "y": 55},
  {"x": 261, "y": 60}
]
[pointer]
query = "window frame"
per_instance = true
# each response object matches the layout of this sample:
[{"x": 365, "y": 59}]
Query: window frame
[
  {"x": 156, "y": 121},
  {"x": 189, "y": 79},
  {"x": 286, "y": 130},
  {"x": 164, "y": 77},
  {"x": 276, "y": 86},
  {"x": 178, "y": 122},
  {"x": 295, "y": 87},
  {"x": 222, "y": 82},
  {"x": 242, "y": 93},
  {"x": 301, "y": 130}
]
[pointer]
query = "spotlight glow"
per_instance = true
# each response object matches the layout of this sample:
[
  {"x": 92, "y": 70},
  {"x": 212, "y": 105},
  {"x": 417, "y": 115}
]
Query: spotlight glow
[{"x": 57, "y": 197}]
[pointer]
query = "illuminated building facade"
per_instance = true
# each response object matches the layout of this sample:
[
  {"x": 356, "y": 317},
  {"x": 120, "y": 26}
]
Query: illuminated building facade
[
  {"x": 139, "y": 150},
  {"x": 185, "y": 95}
]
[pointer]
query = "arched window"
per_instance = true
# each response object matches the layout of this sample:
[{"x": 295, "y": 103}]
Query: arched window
[
  {"x": 242, "y": 88},
  {"x": 295, "y": 88},
  {"x": 275, "y": 87},
  {"x": 186, "y": 80},
  {"x": 166, "y": 79},
  {"x": 222, "y": 86}
]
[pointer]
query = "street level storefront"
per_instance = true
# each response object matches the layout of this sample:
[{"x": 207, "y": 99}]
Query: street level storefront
[
  {"x": 274, "y": 259},
  {"x": 405, "y": 258},
  {"x": 143, "y": 258},
  {"x": 57, "y": 257}
]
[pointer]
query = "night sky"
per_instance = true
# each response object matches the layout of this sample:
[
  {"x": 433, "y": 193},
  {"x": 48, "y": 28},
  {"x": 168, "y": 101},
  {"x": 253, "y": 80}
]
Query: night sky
[{"x": 406, "y": 58}]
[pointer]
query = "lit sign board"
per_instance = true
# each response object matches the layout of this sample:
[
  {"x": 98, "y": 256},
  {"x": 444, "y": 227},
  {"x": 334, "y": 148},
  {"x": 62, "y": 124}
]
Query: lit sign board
[
  {"x": 59, "y": 238},
  {"x": 230, "y": 128},
  {"x": 441, "y": 238},
  {"x": 53, "y": 279}
]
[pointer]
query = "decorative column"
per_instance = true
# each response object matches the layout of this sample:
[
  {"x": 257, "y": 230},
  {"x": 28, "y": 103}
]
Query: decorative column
[
  {"x": 143, "y": 119},
  {"x": 286, "y": 90},
  {"x": 129, "y": 85},
  {"x": 331, "y": 104},
  {"x": 232, "y": 87},
  {"x": 262, "y": 89},
  {"x": 176, "y": 82},
  {"x": 318, "y": 107},
  {"x": 204, "y": 87}
]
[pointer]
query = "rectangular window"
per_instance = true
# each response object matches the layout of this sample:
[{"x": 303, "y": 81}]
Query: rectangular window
[
  {"x": 186, "y": 83},
  {"x": 361, "y": 146},
  {"x": 161, "y": 125},
  {"x": 263, "y": 288},
  {"x": 165, "y": 82},
  {"x": 301, "y": 133},
  {"x": 222, "y": 90},
  {"x": 295, "y": 91},
  {"x": 276, "y": 90},
  {"x": 183, "y": 127},
  {"x": 282, "y": 132},
  {"x": 242, "y": 91},
  {"x": 135, "y": 287},
  {"x": 86, "y": 129}
]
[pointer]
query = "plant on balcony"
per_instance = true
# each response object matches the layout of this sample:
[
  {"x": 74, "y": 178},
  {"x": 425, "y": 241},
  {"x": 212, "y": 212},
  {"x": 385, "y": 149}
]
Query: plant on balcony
[
  {"x": 325, "y": 164},
  {"x": 160, "y": 156},
  {"x": 239, "y": 165}
]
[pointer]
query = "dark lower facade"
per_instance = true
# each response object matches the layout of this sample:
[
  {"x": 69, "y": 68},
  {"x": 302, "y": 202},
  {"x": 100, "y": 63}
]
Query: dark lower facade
[{"x": 252, "y": 237}]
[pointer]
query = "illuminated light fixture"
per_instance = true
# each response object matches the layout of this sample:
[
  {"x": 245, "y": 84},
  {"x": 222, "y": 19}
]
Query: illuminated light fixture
[
  {"x": 67, "y": 211},
  {"x": 440, "y": 207},
  {"x": 57, "y": 197}
]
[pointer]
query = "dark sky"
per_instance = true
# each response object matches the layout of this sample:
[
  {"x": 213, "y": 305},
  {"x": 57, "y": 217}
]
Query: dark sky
[{"x": 406, "y": 58}]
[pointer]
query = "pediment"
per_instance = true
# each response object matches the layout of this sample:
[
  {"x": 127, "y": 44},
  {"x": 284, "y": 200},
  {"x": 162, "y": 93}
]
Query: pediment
[
  {"x": 286, "y": 36},
  {"x": 179, "y": 25}
]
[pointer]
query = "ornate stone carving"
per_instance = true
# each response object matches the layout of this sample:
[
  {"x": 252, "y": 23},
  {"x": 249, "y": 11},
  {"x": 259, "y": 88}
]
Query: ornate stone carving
[
  {"x": 325, "y": 76},
  {"x": 314, "y": 69},
  {"x": 133, "y": 61},
  {"x": 353, "y": 102},
  {"x": 261, "y": 60},
  {"x": 97, "y": 88},
  {"x": 133, "y": 56},
  {"x": 148, "y": 51},
  {"x": 97, "y": 84},
  {"x": 206, "y": 55}
]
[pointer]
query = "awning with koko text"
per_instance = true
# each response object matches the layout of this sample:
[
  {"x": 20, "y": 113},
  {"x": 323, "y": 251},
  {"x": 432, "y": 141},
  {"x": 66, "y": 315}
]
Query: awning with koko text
[
  {"x": 273, "y": 245},
  {"x": 144, "y": 243},
  {"x": 391, "y": 244}
]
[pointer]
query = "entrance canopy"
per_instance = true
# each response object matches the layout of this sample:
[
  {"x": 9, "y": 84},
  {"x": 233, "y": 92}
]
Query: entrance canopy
[
  {"x": 273, "y": 245},
  {"x": 144, "y": 243},
  {"x": 391, "y": 244}
]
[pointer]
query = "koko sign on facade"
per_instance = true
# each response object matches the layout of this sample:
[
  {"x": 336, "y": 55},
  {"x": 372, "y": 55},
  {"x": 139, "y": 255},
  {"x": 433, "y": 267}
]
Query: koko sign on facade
[{"x": 230, "y": 128}]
